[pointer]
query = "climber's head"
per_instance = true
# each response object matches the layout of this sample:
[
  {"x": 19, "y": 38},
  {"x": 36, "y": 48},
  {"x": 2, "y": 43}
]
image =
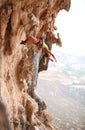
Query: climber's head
[{"x": 41, "y": 42}]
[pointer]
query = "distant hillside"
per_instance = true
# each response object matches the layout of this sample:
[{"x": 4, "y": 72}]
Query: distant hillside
[
  {"x": 65, "y": 103},
  {"x": 71, "y": 66},
  {"x": 63, "y": 89}
]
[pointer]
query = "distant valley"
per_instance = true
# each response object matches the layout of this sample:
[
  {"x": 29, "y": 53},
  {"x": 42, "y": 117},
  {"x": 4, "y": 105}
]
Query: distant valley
[{"x": 63, "y": 89}]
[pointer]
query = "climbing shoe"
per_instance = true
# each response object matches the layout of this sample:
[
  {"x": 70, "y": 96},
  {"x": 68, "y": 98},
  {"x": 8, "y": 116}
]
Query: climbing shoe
[{"x": 22, "y": 42}]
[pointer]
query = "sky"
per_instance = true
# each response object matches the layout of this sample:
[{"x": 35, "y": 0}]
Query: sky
[{"x": 71, "y": 26}]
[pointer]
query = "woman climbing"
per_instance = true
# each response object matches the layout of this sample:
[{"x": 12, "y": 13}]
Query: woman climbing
[{"x": 40, "y": 43}]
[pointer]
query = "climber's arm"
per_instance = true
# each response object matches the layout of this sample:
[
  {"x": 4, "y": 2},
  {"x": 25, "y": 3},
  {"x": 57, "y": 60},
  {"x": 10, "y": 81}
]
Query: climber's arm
[{"x": 49, "y": 53}]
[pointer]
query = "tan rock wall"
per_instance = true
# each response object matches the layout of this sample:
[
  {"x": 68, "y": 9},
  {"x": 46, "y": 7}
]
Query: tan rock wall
[{"x": 19, "y": 64}]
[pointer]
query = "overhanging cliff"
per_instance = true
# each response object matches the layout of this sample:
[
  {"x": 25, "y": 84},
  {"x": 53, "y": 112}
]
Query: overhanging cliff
[{"x": 19, "y": 64}]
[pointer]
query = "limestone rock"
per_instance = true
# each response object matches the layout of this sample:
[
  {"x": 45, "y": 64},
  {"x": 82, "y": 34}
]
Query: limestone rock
[{"x": 19, "y": 64}]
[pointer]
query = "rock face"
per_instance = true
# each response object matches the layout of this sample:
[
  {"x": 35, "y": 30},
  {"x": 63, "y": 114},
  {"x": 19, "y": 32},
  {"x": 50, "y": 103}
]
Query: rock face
[{"x": 20, "y": 107}]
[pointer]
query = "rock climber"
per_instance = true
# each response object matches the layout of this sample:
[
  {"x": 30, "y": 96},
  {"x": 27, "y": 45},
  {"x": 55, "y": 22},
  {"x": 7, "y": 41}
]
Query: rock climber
[{"x": 40, "y": 43}]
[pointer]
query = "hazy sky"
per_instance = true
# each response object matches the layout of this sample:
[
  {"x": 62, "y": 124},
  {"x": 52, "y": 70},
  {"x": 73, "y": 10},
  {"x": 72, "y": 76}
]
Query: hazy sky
[{"x": 71, "y": 26}]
